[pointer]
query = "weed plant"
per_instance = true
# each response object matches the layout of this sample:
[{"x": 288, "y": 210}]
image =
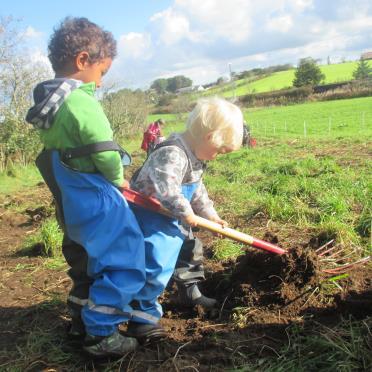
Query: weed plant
[
  {"x": 48, "y": 240},
  {"x": 225, "y": 249}
]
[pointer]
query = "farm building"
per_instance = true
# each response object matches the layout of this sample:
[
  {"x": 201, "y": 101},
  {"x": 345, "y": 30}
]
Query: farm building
[
  {"x": 366, "y": 56},
  {"x": 194, "y": 88}
]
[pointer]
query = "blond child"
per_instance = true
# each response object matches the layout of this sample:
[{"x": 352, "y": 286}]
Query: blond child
[{"x": 173, "y": 174}]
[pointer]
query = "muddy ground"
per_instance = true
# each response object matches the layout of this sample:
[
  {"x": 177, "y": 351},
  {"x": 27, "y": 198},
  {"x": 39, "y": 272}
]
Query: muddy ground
[{"x": 259, "y": 296}]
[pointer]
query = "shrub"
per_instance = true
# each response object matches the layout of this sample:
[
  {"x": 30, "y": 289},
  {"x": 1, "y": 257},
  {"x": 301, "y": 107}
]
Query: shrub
[
  {"x": 307, "y": 73},
  {"x": 280, "y": 97},
  {"x": 127, "y": 112}
]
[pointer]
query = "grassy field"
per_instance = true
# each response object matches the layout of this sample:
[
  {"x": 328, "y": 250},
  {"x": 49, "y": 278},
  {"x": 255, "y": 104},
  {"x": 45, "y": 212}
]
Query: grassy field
[
  {"x": 298, "y": 188},
  {"x": 299, "y": 191},
  {"x": 17, "y": 178},
  {"x": 329, "y": 119},
  {"x": 283, "y": 79},
  {"x": 292, "y": 178},
  {"x": 317, "y": 186}
]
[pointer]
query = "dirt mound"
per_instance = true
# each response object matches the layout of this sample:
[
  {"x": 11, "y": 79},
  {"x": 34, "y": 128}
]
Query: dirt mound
[
  {"x": 278, "y": 279},
  {"x": 266, "y": 287},
  {"x": 269, "y": 282}
]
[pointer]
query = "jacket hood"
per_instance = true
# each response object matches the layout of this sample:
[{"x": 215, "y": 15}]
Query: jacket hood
[{"x": 49, "y": 97}]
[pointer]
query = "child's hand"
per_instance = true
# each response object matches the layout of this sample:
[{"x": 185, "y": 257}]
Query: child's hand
[
  {"x": 125, "y": 184},
  {"x": 191, "y": 220},
  {"x": 223, "y": 223}
]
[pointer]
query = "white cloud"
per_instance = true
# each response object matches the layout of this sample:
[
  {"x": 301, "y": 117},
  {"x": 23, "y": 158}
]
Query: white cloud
[
  {"x": 229, "y": 20},
  {"x": 171, "y": 26},
  {"x": 199, "y": 38},
  {"x": 135, "y": 46},
  {"x": 301, "y": 5},
  {"x": 31, "y": 33},
  {"x": 281, "y": 24}
]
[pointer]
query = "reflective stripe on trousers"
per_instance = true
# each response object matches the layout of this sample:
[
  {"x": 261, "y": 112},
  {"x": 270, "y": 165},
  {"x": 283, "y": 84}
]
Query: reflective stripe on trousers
[
  {"x": 98, "y": 218},
  {"x": 163, "y": 241}
]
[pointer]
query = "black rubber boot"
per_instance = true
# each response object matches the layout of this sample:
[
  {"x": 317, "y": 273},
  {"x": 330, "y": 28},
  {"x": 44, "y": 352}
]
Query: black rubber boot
[
  {"x": 146, "y": 333},
  {"x": 189, "y": 295},
  {"x": 115, "y": 345}
]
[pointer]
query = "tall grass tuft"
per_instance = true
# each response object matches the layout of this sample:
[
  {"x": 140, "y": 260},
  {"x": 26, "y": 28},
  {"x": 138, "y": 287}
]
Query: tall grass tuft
[
  {"x": 47, "y": 241},
  {"x": 225, "y": 249}
]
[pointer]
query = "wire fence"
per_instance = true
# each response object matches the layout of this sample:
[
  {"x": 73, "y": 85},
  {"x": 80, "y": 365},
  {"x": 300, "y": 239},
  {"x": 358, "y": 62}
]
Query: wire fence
[{"x": 352, "y": 125}]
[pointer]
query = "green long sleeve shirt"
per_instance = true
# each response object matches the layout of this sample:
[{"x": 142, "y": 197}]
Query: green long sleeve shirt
[{"x": 81, "y": 121}]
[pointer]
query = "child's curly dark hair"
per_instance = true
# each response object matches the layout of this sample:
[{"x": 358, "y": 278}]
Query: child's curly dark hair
[{"x": 75, "y": 35}]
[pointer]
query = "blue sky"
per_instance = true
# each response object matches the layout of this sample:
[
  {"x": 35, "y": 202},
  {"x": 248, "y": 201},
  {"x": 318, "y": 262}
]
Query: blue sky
[
  {"x": 118, "y": 16},
  {"x": 199, "y": 38}
]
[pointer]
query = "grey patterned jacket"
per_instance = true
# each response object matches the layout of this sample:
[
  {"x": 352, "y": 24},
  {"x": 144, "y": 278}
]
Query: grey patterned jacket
[{"x": 163, "y": 174}]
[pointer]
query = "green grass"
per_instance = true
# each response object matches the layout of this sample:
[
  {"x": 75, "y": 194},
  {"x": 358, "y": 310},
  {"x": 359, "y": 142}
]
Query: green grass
[
  {"x": 173, "y": 123},
  {"x": 17, "y": 178},
  {"x": 331, "y": 119},
  {"x": 57, "y": 263},
  {"x": 40, "y": 343},
  {"x": 341, "y": 348},
  {"x": 281, "y": 80},
  {"x": 320, "y": 184},
  {"x": 291, "y": 185},
  {"x": 48, "y": 237},
  {"x": 225, "y": 249},
  {"x": 169, "y": 118}
]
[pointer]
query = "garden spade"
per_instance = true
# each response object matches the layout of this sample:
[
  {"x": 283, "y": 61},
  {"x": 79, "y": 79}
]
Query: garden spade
[{"x": 154, "y": 205}]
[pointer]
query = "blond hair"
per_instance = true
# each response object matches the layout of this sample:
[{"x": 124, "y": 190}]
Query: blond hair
[{"x": 219, "y": 117}]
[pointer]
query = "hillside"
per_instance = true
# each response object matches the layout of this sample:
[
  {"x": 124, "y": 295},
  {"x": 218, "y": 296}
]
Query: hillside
[{"x": 283, "y": 79}]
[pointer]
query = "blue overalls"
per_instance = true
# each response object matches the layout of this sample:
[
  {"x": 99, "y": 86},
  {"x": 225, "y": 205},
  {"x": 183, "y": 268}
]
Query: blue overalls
[
  {"x": 98, "y": 218},
  {"x": 163, "y": 241}
]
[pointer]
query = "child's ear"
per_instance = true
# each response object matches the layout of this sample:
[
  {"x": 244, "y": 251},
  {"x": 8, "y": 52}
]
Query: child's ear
[
  {"x": 208, "y": 136},
  {"x": 81, "y": 60}
]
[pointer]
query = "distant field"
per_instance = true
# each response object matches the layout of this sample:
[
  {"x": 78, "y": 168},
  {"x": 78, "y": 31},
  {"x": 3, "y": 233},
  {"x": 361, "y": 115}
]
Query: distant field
[
  {"x": 283, "y": 79},
  {"x": 338, "y": 119},
  {"x": 334, "y": 119},
  {"x": 167, "y": 117}
]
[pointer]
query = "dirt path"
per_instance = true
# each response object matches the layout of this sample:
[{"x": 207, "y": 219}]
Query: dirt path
[{"x": 259, "y": 296}]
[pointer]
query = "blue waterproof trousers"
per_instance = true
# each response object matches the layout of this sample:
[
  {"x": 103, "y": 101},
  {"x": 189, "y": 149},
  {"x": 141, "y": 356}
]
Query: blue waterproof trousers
[
  {"x": 98, "y": 218},
  {"x": 163, "y": 241}
]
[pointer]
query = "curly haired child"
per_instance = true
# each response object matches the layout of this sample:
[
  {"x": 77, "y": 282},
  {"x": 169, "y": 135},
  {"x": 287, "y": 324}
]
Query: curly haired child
[{"x": 82, "y": 166}]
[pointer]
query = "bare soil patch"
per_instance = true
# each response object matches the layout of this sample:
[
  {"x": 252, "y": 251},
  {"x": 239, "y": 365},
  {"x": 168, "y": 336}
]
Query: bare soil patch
[{"x": 259, "y": 295}]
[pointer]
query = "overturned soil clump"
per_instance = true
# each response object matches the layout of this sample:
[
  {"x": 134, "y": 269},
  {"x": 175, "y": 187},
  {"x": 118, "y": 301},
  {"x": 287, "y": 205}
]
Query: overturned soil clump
[
  {"x": 265, "y": 285},
  {"x": 276, "y": 279}
]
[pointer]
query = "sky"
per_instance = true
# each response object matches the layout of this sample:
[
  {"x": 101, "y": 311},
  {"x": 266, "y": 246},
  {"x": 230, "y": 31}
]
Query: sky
[{"x": 204, "y": 39}]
